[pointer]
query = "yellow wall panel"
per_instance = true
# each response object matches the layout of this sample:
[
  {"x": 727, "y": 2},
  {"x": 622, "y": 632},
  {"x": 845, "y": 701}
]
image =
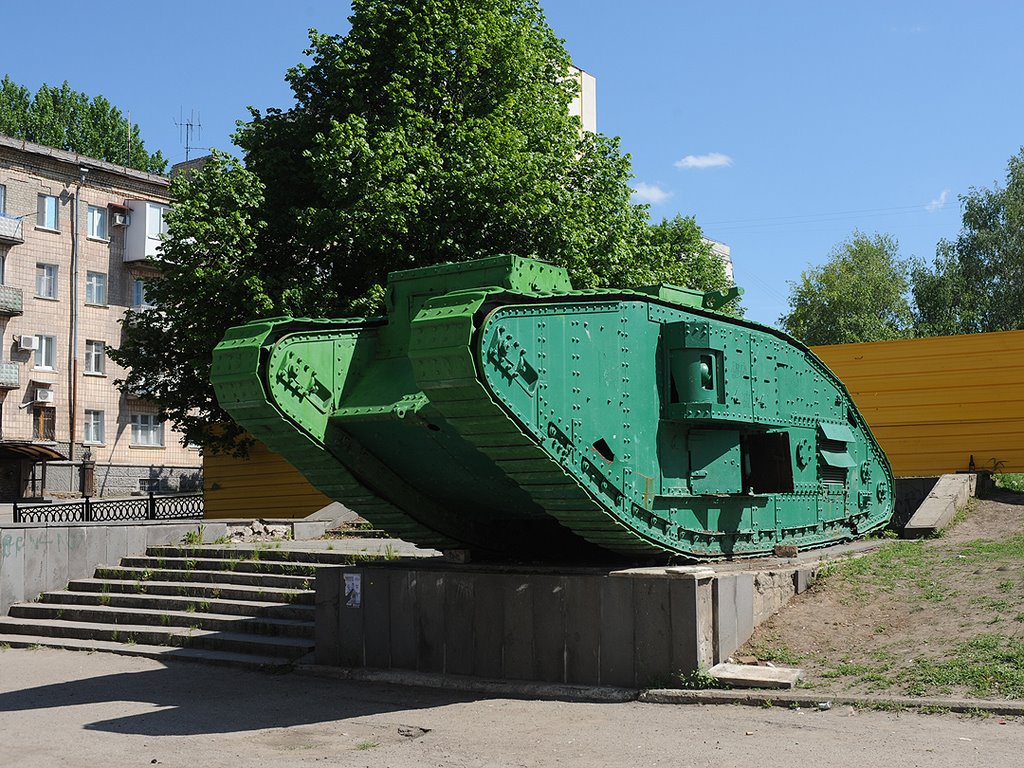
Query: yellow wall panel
[
  {"x": 263, "y": 486},
  {"x": 933, "y": 403}
]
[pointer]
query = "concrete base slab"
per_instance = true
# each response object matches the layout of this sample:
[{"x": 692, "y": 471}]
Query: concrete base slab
[
  {"x": 950, "y": 494},
  {"x": 334, "y": 514},
  {"x": 747, "y": 676},
  {"x": 503, "y": 688}
]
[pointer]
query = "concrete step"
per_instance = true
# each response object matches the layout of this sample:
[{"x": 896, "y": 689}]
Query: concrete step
[
  {"x": 147, "y": 651},
  {"x": 174, "y": 602},
  {"x": 236, "y": 565},
  {"x": 119, "y": 573},
  {"x": 244, "y": 552},
  {"x": 235, "y": 642},
  {"x": 152, "y": 617},
  {"x": 234, "y": 592}
]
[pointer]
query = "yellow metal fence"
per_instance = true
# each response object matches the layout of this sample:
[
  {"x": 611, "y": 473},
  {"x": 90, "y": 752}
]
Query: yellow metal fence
[
  {"x": 933, "y": 403},
  {"x": 263, "y": 486}
]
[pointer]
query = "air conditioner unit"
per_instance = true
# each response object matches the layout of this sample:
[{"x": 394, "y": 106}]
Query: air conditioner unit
[
  {"x": 28, "y": 343},
  {"x": 120, "y": 220},
  {"x": 44, "y": 396}
]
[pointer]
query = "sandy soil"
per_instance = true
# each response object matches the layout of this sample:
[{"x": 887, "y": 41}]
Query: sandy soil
[{"x": 920, "y": 605}]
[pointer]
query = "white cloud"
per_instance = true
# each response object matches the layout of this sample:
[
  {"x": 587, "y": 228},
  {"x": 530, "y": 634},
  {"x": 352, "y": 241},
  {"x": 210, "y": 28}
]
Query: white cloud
[
  {"x": 650, "y": 193},
  {"x": 710, "y": 160},
  {"x": 938, "y": 203}
]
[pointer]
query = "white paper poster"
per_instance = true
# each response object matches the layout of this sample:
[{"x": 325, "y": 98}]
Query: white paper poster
[{"x": 353, "y": 590}]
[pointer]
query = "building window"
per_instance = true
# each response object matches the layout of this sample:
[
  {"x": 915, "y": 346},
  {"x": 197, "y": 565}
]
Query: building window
[
  {"x": 95, "y": 357},
  {"x": 94, "y": 427},
  {"x": 46, "y": 281},
  {"x": 46, "y": 351},
  {"x": 44, "y": 423},
  {"x": 97, "y": 223},
  {"x": 156, "y": 226},
  {"x": 139, "y": 300},
  {"x": 48, "y": 213},
  {"x": 95, "y": 288},
  {"x": 3, "y": 269},
  {"x": 147, "y": 430},
  {"x": 3, "y": 199}
]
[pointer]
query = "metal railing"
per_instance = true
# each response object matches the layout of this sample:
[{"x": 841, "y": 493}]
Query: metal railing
[
  {"x": 11, "y": 229},
  {"x": 181, "y": 506},
  {"x": 11, "y": 301}
]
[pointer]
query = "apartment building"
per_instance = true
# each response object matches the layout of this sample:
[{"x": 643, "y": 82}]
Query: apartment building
[{"x": 77, "y": 236}]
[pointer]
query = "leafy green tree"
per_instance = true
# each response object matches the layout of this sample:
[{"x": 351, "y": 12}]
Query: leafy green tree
[
  {"x": 439, "y": 131},
  {"x": 859, "y": 294},
  {"x": 681, "y": 239},
  {"x": 67, "y": 119},
  {"x": 210, "y": 280},
  {"x": 434, "y": 131},
  {"x": 976, "y": 282}
]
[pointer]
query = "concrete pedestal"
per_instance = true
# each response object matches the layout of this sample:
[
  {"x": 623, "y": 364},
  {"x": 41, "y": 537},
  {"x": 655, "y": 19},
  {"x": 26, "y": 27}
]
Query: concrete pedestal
[{"x": 631, "y": 628}]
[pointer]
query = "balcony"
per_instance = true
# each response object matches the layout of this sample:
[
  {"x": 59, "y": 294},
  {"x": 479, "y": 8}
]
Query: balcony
[
  {"x": 10, "y": 375},
  {"x": 11, "y": 230},
  {"x": 11, "y": 304}
]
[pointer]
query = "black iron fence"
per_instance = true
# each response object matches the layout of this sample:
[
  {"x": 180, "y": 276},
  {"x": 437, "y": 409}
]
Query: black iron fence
[{"x": 182, "y": 506}]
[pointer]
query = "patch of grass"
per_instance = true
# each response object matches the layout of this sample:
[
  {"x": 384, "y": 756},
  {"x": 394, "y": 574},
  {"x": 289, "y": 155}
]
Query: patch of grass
[
  {"x": 892, "y": 568},
  {"x": 933, "y": 710},
  {"x": 362, "y": 746},
  {"x": 979, "y": 713},
  {"x": 1006, "y": 586},
  {"x": 987, "y": 550},
  {"x": 772, "y": 648},
  {"x": 882, "y": 705},
  {"x": 5, "y": 646},
  {"x": 697, "y": 680},
  {"x": 876, "y": 676},
  {"x": 1010, "y": 481},
  {"x": 988, "y": 665},
  {"x": 984, "y": 601},
  {"x": 194, "y": 538}
]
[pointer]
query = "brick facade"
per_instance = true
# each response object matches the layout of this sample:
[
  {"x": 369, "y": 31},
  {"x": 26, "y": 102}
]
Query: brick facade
[{"x": 26, "y": 172}]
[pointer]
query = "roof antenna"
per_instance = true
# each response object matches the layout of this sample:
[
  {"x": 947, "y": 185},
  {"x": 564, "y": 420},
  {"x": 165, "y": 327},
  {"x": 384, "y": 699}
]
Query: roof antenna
[{"x": 188, "y": 130}]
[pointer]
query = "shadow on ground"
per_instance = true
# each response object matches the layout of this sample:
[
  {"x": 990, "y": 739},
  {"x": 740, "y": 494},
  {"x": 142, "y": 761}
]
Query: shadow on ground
[{"x": 192, "y": 699}]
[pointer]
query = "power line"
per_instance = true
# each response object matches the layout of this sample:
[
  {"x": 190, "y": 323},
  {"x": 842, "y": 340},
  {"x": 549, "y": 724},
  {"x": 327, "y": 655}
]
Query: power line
[{"x": 815, "y": 218}]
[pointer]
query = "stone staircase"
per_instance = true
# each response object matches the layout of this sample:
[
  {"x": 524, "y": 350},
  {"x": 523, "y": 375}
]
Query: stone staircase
[{"x": 250, "y": 605}]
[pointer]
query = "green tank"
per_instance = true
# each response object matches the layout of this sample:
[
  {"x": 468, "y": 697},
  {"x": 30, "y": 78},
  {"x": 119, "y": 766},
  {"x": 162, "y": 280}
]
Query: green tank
[{"x": 497, "y": 410}]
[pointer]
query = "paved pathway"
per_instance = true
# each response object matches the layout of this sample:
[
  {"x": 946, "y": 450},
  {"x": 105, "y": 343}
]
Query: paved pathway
[{"x": 60, "y": 708}]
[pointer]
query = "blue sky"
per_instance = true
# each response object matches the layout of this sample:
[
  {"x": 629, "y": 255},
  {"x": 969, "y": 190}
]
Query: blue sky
[{"x": 801, "y": 120}]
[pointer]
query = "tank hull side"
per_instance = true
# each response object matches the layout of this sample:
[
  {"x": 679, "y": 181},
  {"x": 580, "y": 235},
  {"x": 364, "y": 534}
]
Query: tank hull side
[{"x": 767, "y": 450}]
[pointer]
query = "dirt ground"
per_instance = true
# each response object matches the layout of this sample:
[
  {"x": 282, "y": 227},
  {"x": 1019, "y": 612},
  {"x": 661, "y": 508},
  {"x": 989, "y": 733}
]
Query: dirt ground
[{"x": 941, "y": 616}]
